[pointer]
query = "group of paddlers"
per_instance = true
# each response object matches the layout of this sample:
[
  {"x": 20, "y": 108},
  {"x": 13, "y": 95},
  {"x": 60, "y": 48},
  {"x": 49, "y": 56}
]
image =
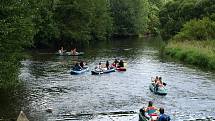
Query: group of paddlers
[
  {"x": 115, "y": 64},
  {"x": 158, "y": 82},
  {"x": 73, "y": 51},
  {"x": 153, "y": 113},
  {"x": 100, "y": 66},
  {"x": 79, "y": 66}
]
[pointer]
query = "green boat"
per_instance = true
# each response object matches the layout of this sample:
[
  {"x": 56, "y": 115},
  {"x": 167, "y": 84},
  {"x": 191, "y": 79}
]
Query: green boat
[
  {"x": 142, "y": 116},
  {"x": 160, "y": 90}
]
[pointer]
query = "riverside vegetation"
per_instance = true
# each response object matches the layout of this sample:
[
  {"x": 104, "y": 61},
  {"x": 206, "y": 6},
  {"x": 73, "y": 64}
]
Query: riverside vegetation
[{"x": 190, "y": 27}]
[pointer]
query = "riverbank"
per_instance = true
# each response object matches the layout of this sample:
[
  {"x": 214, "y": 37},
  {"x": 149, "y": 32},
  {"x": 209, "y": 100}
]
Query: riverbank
[{"x": 198, "y": 53}]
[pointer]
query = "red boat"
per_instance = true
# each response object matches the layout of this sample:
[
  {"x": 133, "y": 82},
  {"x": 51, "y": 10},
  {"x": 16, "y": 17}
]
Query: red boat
[{"x": 121, "y": 69}]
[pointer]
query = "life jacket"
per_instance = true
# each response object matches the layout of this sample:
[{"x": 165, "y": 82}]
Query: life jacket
[{"x": 151, "y": 111}]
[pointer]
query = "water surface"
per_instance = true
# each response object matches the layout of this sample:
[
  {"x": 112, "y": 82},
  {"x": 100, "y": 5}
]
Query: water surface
[{"x": 116, "y": 96}]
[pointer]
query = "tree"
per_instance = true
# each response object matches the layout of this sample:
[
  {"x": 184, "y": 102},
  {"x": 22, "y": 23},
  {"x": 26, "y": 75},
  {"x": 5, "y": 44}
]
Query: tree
[
  {"x": 130, "y": 16},
  {"x": 81, "y": 21},
  {"x": 17, "y": 31},
  {"x": 177, "y": 12},
  {"x": 45, "y": 24}
]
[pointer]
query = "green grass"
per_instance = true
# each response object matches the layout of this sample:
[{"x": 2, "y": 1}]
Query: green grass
[{"x": 198, "y": 53}]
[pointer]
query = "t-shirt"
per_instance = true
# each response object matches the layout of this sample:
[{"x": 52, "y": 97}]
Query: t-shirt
[{"x": 164, "y": 117}]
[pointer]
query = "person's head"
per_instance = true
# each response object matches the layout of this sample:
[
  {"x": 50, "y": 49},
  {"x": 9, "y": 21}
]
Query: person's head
[
  {"x": 160, "y": 78},
  {"x": 121, "y": 61},
  {"x": 150, "y": 104},
  {"x": 107, "y": 61},
  {"x": 156, "y": 77},
  {"x": 100, "y": 63},
  {"x": 76, "y": 64},
  {"x": 161, "y": 110}
]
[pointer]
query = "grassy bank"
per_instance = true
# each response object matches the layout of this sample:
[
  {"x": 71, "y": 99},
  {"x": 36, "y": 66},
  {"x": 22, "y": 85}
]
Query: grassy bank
[{"x": 198, "y": 53}]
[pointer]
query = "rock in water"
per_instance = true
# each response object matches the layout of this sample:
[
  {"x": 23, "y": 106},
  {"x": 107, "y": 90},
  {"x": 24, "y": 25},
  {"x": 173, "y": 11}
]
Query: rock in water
[{"x": 22, "y": 117}]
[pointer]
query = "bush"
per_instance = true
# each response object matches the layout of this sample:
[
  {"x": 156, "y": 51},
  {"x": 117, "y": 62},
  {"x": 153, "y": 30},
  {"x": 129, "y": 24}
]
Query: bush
[{"x": 197, "y": 30}]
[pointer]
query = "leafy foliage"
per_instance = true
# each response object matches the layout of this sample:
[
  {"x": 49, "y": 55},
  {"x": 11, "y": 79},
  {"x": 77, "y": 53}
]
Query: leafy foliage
[
  {"x": 130, "y": 16},
  {"x": 197, "y": 30},
  {"x": 16, "y": 31},
  {"x": 177, "y": 12},
  {"x": 82, "y": 21}
]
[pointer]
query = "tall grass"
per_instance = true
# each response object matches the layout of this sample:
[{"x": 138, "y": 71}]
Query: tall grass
[{"x": 199, "y": 53}]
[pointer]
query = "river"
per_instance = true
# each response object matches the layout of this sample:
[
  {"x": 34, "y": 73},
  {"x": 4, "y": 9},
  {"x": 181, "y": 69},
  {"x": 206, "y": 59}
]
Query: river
[{"x": 116, "y": 96}]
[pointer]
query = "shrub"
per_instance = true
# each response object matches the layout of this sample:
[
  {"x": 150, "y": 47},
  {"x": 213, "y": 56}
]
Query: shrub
[{"x": 197, "y": 30}]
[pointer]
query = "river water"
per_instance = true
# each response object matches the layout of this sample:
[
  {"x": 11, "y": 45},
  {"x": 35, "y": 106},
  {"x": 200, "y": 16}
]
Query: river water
[{"x": 116, "y": 96}]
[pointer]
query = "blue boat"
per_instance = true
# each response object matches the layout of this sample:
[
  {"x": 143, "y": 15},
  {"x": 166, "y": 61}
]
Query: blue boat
[
  {"x": 102, "y": 71},
  {"x": 159, "y": 90},
  {"x": 74, "y": 72}
]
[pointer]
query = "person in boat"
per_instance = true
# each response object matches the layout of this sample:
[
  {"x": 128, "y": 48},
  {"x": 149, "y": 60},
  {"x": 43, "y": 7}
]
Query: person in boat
[
  {"x": 155, "y": 80},
  {"x": 150, "y": 110},
  {"x": 158, "y": 83},
  {"x": 77, "y": 67},
  {"x": 107, "y": 65},
  {"x": 115, "y": 63},
  {"x": 82, "y": 64},
  {"x": 163, "y": 117},
  {"x": 99, "y": 67},
  {"x": 61, "y": 50},
  {"x": 73, "y": 51},
  {"x": 121, "y": 64}
]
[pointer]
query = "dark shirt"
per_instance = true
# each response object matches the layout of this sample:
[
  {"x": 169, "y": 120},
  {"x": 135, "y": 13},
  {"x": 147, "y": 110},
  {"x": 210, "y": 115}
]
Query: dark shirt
[
  {"x": 82, "y": 64},
  {"x": 121, "y": 64},
  {"x": 164, "y": 117},
  {"x": 116, "y": 61},
  {"x": 77, "y": 67}
]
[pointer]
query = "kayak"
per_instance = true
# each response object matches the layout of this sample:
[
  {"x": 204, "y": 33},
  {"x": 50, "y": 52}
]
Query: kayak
[
  {"x": 22, "y": 117},
  {"x": 121, "y": 69},
  {"x": 160, "y": 90},
  {"x": 79, "y": 71},
  {"x": 97, "y": 72}
]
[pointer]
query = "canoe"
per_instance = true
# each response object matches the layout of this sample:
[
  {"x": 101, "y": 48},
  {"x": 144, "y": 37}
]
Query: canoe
[
  {"x": 22, "y": 117},
  {"x": 97, "y": 72},
  {"x": 160, "y": 91},
  {"x": 79, "y": 71},
  {"x": 121, "y": 69}
]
